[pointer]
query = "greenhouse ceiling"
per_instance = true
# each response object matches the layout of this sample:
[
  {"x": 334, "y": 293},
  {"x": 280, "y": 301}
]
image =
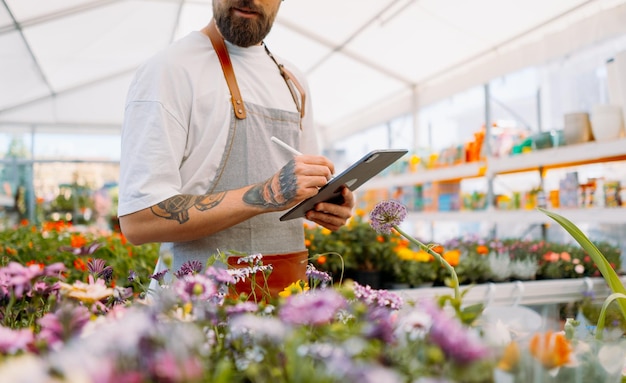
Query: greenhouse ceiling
[{"x": 65, "y": 65}]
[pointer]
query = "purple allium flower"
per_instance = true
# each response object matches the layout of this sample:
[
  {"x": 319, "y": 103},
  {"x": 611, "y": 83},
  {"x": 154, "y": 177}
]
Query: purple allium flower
[
  {"x": 386, "y": 215},
  {"x": 382, "y": 298},
  {"x": 317, "y": 307},
  {"x": 456, "y": 341},
  {"x": 314, "y": 274},
  {"x": 13, "y": 341},
  {"x": 195, "y": 287},
  {"x": 189, "y": 267}
]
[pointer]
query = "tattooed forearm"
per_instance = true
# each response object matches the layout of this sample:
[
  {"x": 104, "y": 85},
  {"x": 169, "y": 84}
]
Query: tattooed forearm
[
  {"x": 177, "y": 207},
  {"x": 277, "y": 191}
]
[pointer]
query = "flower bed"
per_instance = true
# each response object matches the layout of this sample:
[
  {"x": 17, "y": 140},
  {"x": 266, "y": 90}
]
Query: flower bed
[
  {"x": 196, "y": 330},
  {"x": 476, "y": 260}
]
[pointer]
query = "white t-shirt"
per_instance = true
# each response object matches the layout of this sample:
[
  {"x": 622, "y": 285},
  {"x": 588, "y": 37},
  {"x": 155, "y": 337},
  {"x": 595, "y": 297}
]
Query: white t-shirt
[{"x": 178, "y": 112}]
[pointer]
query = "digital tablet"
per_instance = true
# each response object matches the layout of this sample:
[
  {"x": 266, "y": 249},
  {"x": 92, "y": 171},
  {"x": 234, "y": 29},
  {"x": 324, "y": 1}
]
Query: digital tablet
[{"x": 356, "y": 175}]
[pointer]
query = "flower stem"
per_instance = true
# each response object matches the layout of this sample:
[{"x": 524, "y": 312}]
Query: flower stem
[{"x": 455, "y": 278}]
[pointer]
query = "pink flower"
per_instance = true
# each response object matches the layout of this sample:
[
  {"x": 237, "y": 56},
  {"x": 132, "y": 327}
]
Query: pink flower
[{"x": 12, "y": 341}]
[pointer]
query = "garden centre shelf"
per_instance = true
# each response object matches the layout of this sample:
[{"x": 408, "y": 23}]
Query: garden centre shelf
[
  {"x": 559, "y": 157},
  {"x": 577, "y": 216},
  {"x": 449, "y": 173},
  {"x": 528, "y": 293}
]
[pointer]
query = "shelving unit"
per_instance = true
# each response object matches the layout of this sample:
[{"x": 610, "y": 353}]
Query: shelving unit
[
  {"x": 540, "y": 160},
  {"x": 542, "y": 292}
]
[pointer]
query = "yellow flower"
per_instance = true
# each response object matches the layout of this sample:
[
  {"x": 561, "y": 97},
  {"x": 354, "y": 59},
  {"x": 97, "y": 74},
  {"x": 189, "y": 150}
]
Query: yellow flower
[
  {"x": 297, "y": 287},
  {"x": 422, "y": 256},
  {"x": 405, "y": 253},
  {"x": 452, "y": 257},
  {"x": 87, "y": 292},
  {"x": 510, "y": 357}
]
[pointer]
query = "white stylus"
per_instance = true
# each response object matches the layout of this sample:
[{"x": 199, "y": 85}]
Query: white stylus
[{"x": 285, "y": 146}]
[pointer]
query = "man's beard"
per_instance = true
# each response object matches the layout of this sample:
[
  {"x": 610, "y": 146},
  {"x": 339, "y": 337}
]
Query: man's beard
[{"x": 240, "y": 31}]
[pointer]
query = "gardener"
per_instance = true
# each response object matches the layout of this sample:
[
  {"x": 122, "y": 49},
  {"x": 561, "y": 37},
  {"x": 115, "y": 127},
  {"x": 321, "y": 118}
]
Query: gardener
[{"x": 199, "y": 172}]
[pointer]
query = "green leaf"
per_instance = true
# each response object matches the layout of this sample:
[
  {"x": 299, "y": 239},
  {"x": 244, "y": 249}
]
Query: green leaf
[
  {"x": 605, "y": 306},
  {"x": 610, "y": 276}
]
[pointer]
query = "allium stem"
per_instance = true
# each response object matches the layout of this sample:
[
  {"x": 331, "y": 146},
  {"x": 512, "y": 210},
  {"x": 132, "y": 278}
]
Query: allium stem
[{"x": 455, "y": 278}]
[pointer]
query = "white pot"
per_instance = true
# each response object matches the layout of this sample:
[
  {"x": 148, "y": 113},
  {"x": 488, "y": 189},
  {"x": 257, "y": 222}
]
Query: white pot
[
  {"x": 577, "y": 128},
  {"x": 607, "y": 122}
]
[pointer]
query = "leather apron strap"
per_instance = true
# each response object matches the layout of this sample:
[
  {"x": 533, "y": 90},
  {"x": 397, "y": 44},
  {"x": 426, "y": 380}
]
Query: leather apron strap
[{"x": 227, "y": 67}]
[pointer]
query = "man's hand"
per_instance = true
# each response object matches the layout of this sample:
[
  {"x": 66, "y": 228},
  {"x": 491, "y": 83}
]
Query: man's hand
[
  {"x": 298, "y": 180},
  {"x": 333, "y": 216}
]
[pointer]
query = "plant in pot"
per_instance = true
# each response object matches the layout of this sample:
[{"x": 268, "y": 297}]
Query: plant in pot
[
  {"x": 414, "y": 268},
  {"x": 355, "y": 248}
]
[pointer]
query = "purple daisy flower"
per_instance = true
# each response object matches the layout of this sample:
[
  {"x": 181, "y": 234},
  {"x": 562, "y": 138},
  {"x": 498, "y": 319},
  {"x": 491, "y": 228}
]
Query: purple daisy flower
[
  {"x": 456, "y": 341},
  {"x": 13, "y": 341},
  {"x": 317, "y": 307},
  {"x": 195, "y": 287},
  {"x": 220, "y": 275},
  {"x": 386, "y": 215},
  {"x": 189, "y": 267}
]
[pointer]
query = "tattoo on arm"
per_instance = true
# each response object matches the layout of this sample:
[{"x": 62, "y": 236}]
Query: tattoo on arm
[
  {"x": 277, "y": 191},
  {"x": 177, "y": 207}
]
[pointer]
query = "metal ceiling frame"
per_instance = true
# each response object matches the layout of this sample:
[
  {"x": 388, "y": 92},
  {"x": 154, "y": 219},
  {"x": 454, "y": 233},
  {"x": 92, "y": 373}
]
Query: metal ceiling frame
[{"x": 334, "y": 48}]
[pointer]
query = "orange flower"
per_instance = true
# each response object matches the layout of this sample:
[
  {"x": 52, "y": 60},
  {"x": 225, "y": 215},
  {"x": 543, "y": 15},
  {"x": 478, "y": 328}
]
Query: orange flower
[
  {"x": 77, "y": 241},
  {"x": 551, "y": 349},
  {"x": 482, "y": 249},
  {"x": 452, "y": 257},
  {"x": 380, "y": 239},
  {"x": 437, "y": 249},
  {"x": 551, "y": 256},
  {"x": 321, "y": 259},
  {"x": 566, "y": 257},
  {"x": 10, "y": 251},
  {"x": 24, "y": 222},
  {"x": 307, "y": 242},
  {"x": 80, "y": 265},
  {"x": 33, "y": 262}
]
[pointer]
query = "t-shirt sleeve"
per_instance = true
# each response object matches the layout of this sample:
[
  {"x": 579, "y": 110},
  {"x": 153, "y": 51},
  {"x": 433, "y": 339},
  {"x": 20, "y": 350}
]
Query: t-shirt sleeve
[{"x": 153, "y": 144}]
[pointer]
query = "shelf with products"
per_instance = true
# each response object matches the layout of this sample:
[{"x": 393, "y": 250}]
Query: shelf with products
[
  {"x": 587, "y": 215},
  {"x": 559, "y": 157},
  {"x": 539, "y": 160}
]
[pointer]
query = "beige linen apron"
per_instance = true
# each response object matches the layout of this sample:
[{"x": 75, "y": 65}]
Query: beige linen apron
[{"x": 251, "y": 157}]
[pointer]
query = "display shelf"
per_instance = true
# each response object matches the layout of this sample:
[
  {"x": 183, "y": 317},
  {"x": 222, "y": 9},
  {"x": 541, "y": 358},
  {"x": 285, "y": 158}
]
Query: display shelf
[
  {"x": 450, "y": 173},
  {"x": 577, "y": 216},
  {"x": 541, "y": 292},
  {"x": 564, "y": 156}
]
